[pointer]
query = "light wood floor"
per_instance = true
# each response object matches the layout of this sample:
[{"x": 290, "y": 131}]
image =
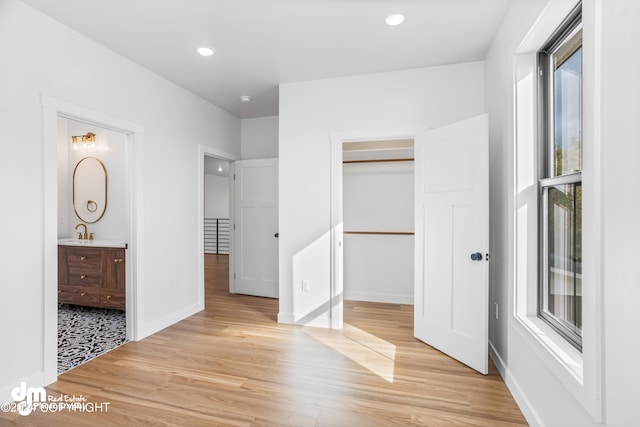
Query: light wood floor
[{"x": 234, "y": 365}]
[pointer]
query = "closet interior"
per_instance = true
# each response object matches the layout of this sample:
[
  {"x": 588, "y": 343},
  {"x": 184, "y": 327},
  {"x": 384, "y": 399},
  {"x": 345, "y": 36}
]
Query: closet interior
[{"x": 378, "y": 215}]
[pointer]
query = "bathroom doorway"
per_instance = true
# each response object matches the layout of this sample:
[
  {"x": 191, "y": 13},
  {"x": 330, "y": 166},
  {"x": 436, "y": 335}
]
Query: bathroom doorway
[
  {"x": 93, "y": 228},
  {"x": 52, "y": 110}
]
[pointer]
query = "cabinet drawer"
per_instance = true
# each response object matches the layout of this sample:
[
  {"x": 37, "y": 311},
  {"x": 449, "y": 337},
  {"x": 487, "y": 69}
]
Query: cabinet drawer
[
  {"x": 113, "y": 298},
  {"x": 85, "y": 278},
  {"x": 79, "y": 295},
  {"x": 84, "y": 258}
]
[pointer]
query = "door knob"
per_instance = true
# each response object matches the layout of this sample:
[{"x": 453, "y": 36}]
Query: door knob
[
  {"x": 476, "y": 257},
  {"x": 276, "y": 235}
]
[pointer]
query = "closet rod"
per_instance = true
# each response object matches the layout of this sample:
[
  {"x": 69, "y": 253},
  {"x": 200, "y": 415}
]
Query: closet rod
[
  {"x": 394, "y": 233},
  {"x": 378, "y": 160}
]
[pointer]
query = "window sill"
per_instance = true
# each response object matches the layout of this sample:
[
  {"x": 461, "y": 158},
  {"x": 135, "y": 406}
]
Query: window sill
[
  {"x": 547, "y": 343},
  {"x": 563, "y": 360}
]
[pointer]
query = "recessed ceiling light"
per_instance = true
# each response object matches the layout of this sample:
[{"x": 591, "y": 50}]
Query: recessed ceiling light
[
  {"x": 395, "y": 19},
  {"x": 205, "y": 51},
  {"x": 245, "y": 98}
]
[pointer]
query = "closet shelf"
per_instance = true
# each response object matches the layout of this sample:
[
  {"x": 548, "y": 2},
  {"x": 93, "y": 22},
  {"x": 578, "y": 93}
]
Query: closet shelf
[
  {"x": 379, "y": 160},
  {"x": 392, "y": 233}
]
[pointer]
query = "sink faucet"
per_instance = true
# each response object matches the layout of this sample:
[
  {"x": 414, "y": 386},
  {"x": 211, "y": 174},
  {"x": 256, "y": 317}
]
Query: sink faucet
[{"x": 81, "y": 235}]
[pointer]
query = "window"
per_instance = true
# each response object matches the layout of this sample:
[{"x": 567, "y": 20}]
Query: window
[{"x": 560, "y": 183}]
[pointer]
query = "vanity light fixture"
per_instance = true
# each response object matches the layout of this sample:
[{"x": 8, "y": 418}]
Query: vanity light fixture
[
  {"x": 85, "y": 142},
  {"x": 394, "y": 19}
]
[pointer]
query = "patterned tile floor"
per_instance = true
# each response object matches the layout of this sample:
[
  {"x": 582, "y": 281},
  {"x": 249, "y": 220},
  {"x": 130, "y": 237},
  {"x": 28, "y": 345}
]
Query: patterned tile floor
[{"x": 86, "y": 332}]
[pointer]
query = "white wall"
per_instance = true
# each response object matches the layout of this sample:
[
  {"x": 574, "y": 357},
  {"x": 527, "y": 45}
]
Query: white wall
[
  {"x": 611, "y": 31},
  {"x": 499, "y": 102},
  {"x": 113, "y": 224},
  {"x": 378, "y": 197},
  {"x": 259, "y": 138},
  {"x": 45, "y": 57},
  {"x": 621, "y": 207},
  {"x": 216, "y": 196},
  {"x": 309, "y": 113}
]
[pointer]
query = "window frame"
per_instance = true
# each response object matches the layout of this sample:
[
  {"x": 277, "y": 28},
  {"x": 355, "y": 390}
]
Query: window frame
[
  {"x": 580, "y": 373},
  {"x": 546, "y": 173}
]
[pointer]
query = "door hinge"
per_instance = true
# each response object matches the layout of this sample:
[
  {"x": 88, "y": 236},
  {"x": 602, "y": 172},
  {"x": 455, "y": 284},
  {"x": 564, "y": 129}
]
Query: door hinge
[
  {"x": 234, "y": 176},
  {"x": 234, "y": 226},
  {"x": 234, "y": 276}
]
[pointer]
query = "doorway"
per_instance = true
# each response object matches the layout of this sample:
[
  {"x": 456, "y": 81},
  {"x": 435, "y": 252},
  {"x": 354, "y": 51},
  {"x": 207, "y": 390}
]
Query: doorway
[
  {"x": 53, "y": 109},
  {"x": 338, "y": 143},
  {"x": 253, "y": 221},
  {"x": 451, "y": 197},
  {"x": 91, "y": 285},
  {"x": 215, "y": 187},
  {"x": 217, "y": 225},
  {"x": 378, "y": 211}
]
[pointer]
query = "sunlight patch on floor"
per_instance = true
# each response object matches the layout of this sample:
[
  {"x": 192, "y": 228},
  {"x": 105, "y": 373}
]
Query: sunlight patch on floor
[{"x": 369, "y": 351}]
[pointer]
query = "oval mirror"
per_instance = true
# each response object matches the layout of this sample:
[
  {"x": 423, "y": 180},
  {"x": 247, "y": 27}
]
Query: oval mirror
[{"x": 90, "y": 189}]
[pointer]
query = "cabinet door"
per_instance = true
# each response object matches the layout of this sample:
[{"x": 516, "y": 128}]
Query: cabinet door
[{"x": 114, "y": 269}]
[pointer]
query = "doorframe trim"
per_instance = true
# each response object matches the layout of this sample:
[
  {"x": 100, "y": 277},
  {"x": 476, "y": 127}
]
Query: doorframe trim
[
  {"x": 338, "y": 139},
  {"x": 52, "y": 109},
  {"x": 204, "y": 150}
]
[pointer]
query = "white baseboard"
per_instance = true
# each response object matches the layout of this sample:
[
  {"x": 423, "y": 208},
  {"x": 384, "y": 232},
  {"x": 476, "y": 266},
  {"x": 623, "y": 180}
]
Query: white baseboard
[
  {"x": 519, "y": 396},
  {"x": 298, "y": 319},
  {"x": 371, "y": 297}
]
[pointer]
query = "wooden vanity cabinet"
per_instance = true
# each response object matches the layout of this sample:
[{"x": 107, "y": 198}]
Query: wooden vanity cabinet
[{"x": 91, "y": 276}]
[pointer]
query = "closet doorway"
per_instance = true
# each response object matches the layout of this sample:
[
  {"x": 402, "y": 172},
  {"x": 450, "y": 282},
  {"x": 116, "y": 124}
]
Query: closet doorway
[
  {"x": 378, "y": 215},
  {"x": 451, "y": 240}
]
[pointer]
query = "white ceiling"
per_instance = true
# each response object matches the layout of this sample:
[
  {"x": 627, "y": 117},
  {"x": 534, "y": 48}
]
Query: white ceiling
[{"x": 260, "y": 44}]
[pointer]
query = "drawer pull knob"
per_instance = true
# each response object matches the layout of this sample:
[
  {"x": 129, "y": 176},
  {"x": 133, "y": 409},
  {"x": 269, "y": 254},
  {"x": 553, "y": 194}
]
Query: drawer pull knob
[
  {"x": 82, "y": 258},
  {"x": 82, "y": 294},
  {"x": 118, "y": 260},
  {"x": 59, "y": 291},
  {"x": 83, "y": 277},
  {"x": 108, "y": 296}
]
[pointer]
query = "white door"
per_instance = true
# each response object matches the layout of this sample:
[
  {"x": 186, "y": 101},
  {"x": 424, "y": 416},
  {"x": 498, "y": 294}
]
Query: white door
[
  {"x": 452, "y": 240},
  {"x": 256, "y": 228}
]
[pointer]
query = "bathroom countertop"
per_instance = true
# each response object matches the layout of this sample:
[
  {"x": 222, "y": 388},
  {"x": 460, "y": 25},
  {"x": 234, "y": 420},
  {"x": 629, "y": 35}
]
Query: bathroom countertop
[{"x": 98, "y": 243}]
